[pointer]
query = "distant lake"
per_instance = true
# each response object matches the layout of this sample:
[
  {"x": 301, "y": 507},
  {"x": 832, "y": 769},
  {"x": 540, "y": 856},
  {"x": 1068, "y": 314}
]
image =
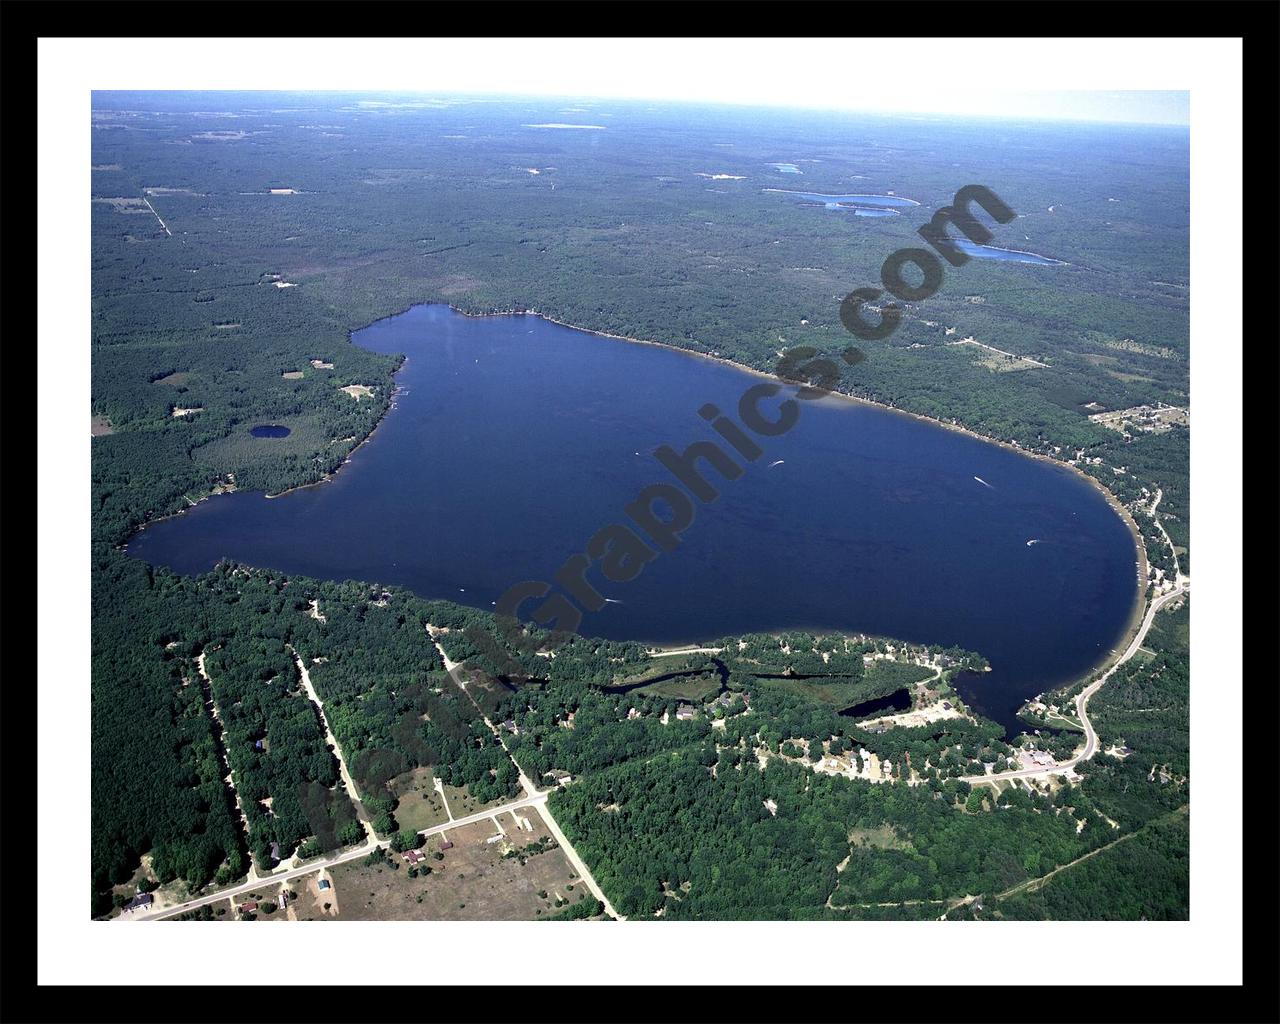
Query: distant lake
[
  {"x": 862, "y": 200},
  {"x": 514, "y": 439},
  {"x": 269, "y": 430},
  {"x": 858, "y": 205},
  {"x": 991, "y": 252}
]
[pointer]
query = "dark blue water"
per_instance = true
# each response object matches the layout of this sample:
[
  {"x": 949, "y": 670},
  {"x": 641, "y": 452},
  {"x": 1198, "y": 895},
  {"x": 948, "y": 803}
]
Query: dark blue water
[
  {"x": 899, "y": 700},
  {"x": 269, "y": 430},
  {"x": 515, "y": 439}
]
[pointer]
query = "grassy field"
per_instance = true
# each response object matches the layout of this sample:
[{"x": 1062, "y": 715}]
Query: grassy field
[
  {"x": 473, "y": 881},
  {"x": 694, "y": 688},
  {"x": 420, "y": 804},
  {"x": 463, "y": 804}
]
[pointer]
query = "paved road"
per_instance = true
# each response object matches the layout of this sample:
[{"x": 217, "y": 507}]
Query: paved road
[
  {"x": 1082, "y": 700},
  {"x": 533, "y": 797},
  {"x": 579, "y": 865},
  {"x": 338, "y": 858}
]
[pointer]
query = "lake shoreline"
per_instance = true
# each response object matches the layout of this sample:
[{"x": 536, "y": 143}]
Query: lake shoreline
[
  {"x": 386, "y": 411},
  {"x": 1139, "y": 605},
  {"x": 1139, "y": 609},
  {"x": 1106, "y": 493}
]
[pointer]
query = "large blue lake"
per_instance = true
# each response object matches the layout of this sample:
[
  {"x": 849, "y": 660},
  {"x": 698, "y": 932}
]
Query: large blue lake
[{"x": 514, "y": 439}]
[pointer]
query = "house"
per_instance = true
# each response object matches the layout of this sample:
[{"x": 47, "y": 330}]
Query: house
[
  {"x": 142, "y": 899},
  {"x": 259, "y": 745},
  {"x": 446, "y": 845},
  {"x": 510, "y": 726},
  {"x": 284, "y": 898},
  {"x": 946, "y": 705},
  {"x": 559, "y": 776},
  {"x": 325, "y": 884},
  {"x": 685, "y": 712},
  {"x": 412, "y": 857},
  {"x": 275, "y": 852},
  {"x": 248, "y": 908}
]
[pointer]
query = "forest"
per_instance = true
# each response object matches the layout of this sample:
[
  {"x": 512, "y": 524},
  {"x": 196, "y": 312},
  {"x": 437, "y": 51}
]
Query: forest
[{"x": 241, "y": 315}]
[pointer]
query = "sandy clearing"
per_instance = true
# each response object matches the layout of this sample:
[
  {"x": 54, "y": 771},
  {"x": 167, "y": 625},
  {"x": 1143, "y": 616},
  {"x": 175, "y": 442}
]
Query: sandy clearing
[
  {"x": 292, "y": 375},
  {"x": 358, "y": 391},
  {"x": 321, "y": 897},
  {"x": 320, "y": 364},
  {"x": 123, "y": 204},
  {"x": 180, "y": 412}
]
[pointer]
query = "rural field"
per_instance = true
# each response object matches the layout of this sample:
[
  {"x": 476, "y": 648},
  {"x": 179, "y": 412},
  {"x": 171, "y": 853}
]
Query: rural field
[{"x": 476, "y": 880}]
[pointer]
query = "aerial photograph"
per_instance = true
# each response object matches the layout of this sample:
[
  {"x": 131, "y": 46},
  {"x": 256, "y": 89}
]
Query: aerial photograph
[{"x": 579, "y": 508}]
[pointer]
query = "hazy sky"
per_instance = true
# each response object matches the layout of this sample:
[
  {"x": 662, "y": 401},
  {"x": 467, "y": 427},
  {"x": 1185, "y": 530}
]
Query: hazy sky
[
  {"x": 1129, "y": 107},
  {"x": 1130, "y": 80},
  {"x": 1135, "y": 107}
]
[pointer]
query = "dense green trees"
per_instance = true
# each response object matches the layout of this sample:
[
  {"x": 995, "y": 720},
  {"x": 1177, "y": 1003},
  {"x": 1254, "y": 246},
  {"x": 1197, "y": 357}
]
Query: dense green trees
[
  {"x": 702, "y": 846},
  {"x": 195, "y": 320}
]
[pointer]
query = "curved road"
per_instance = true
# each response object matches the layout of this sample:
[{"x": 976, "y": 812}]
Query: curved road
[{"x": 1082, "y": 700}]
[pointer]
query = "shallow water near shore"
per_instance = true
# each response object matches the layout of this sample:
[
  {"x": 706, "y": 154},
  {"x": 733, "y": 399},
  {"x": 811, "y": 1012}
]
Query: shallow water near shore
[{"x": 514, "y": 439}]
